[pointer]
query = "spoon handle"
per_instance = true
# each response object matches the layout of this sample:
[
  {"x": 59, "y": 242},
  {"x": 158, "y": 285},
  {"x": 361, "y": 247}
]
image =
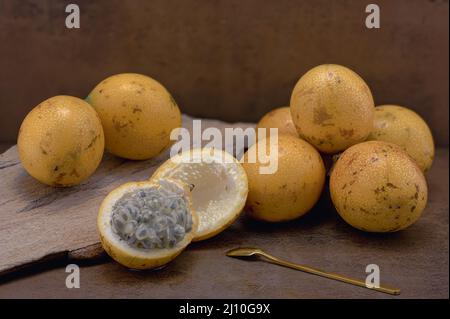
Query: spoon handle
[{"x": 356, "y": 282}]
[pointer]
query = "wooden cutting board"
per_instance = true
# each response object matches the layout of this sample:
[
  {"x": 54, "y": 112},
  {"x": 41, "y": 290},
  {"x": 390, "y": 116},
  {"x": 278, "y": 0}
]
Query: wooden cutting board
[{"x": 39, "y": 223}]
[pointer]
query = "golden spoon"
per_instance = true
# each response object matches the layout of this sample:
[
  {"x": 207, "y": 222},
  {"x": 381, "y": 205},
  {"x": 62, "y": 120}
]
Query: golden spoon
[{"x": 250, "y": 252}]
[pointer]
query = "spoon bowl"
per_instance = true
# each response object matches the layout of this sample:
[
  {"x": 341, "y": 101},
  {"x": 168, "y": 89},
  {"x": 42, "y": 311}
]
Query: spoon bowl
[{"x": 244, "y": 252}]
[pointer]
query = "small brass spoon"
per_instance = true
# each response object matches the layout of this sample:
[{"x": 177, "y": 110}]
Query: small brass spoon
[{"x": 253, "y": 252}]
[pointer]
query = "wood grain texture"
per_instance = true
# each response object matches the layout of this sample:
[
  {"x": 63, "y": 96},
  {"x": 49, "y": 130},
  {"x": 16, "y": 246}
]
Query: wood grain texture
[
  {"x": 415, "y": 260},
  {"x": 39, "y": 223}
]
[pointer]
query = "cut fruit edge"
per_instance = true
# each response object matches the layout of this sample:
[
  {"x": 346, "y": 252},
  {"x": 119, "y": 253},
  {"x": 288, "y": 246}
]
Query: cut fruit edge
[
  {"x": 220, "y": 186},
  {"x": 132, "y": 257}
]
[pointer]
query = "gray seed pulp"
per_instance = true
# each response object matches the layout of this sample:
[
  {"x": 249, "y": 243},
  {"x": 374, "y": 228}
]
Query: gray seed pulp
[{"x": 151, "y": 218}]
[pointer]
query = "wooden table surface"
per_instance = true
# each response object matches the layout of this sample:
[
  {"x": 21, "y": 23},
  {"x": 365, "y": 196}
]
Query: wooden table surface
[{"x": 415, "y": 260}]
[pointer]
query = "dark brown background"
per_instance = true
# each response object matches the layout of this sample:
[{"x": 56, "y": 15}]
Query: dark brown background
[{"x": 232, "y": 60}]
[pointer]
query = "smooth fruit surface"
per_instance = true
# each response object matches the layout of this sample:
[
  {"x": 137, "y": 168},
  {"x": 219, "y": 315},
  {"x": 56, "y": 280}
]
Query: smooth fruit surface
[
  {"x": 293, "y": 189},
  {"x": 279, "y": 118},
  {"x": 130, "y": 256},
  {"x": 219, "y": 184},
  {"x": 332, "y": 108},
  {"x": 376, "y": 187},
  {"x": 137, "y": 114},
  {"x": 61, "y": 141},
  {"x": 404, "y": 127}
]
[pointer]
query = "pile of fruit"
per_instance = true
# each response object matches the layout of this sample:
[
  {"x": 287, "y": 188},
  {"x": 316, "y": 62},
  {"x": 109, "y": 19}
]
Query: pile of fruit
[
  {"x": 380, "y": 154},
  {"x": 377, "y": 181}
]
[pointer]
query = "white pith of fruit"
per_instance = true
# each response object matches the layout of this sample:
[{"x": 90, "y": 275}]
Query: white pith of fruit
[
  {"x": 135, "y": 257},
  {"x": 219, "y": 184}
]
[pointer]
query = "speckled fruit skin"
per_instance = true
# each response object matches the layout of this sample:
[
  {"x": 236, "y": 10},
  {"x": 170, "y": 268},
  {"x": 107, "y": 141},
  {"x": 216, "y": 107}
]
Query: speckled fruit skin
[
  {"x": 278, "y": 118},
  {"x": 332, "y": 108},
  {"x": 404, "y": 127},
  {"x": 61, "y": 141},
  {"x": 295, "y": 187},
  {"x": 137, "y": 114},
  {"x": 376, "y": 187}
]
